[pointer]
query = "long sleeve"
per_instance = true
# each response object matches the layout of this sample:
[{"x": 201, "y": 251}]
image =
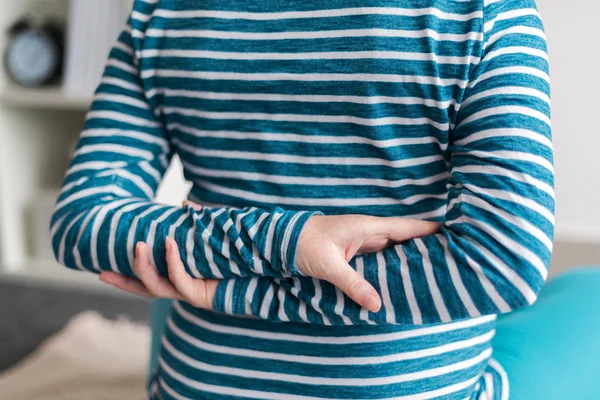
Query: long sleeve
[
  {"x": 493, "y": 251},
  {"x": 105, "y": 206}
]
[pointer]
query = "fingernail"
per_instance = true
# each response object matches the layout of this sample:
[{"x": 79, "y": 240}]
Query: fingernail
[
  {"x": 373, "y": 303},
  {"x": 138, "y": 249}
]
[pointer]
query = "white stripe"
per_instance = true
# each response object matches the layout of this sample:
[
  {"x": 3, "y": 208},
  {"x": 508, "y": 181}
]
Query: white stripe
[
  {"x": 228, "y": 296},
  {"x": 121, "y": 99},
  {"x": 339, "y": 306},
  {"x": 489, "y": 385},
  {"x": 360, "y": 269},
  {"x": 114, "y": 225},
  {"x": 511, "y": 156},
  {"x": 304, "y": 98},
  {"x": 62, "y": 245},
  {"x": 338, "y": 340},
  {"x": 304, "y": 35},
  {"x": 114, "y": 133},
  {"x": 82, "y": 229},
  {"x": 324, "y": 55},
  {"x": 514, "y": 70},
  {"x": 507, "y": 91},
  {"x": 488, "y": 287},
  {"x": 153, "y": 172},
  {"x": 518, "y": 176},
  {"x": 514, "y": 198},
  {"x": 258, "y": 265},
  {"x": 121, "y": 117},
  {"x": 505, "y": 111},
  {"x": 457, "y": 281},
  {"x": 266, "y": 302},
  {"x": 281, "y": 313},
  {"x": 506, "y": 132},
  {"x": 332, "y": 361},
  {"x": 306, "y": 77},
  {"x": 312, "y": 118},
  {"x": 503, "y": 378},
  {"x": 253, "y": 394},
  {"x": 134, "y": 179},
  {"x": 206, "y": 233},
  {"x": 271, "y": 236},
  {"x": 408, "y": 287},
  {"x": 286, "y": 242},
  {"x": 121, "y": 83},
  {"x": 515, "y": 30},
  {"x": 95, "y": 165},
  {"x": 508, "y": 242},
  {"x": 241, "y": 246},
  {"x": 312, "y": 181},
  {"x": 112, "y": 62},
  {"x": 328, "y": 381},
  {"x": 307, "y": 160},
  {"x": 298, "y": 138},
  {"x": 114, "y": 148},
  {"x": 514, "y": 278},
  {"x": 132, "y": 231},
  {"x": 226, "y": 244},
  {"x": 150, "y": 239},
  {"x": 522, "y": 12},
  {"x": 514, "y": 219},
  {"x": 390, "y": 314},
  {"x": 140, "y": 17},
  {"x": 124, "y": 47},
  {"x": 342, "y": 12},
  {"x": 190, "y": 246},
  {"x": 517, "y": 50},
  {"x": 438, "y": 300},
  {"x": 249, "y": 296},
  {"x": 317, "y": 299},
  {"x": 315, "y": 202},
  {"x": 301, "y": 304},
  {"x": 110, "y": 190}
]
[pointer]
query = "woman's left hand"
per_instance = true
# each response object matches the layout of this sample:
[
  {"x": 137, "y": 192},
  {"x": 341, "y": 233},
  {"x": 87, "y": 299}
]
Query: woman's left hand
[{"x": 180, "y": 285}]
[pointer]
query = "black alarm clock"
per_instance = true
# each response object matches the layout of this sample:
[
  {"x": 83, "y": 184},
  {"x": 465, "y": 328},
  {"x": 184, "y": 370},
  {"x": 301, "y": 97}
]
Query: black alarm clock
[{"x": 34, "y": 55}]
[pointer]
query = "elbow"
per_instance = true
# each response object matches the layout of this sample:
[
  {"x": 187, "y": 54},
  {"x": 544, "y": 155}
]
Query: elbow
[{"x": 524, "y": 287}]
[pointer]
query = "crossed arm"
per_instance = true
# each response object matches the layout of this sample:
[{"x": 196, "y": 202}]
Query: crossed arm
[{"x": 490, "y": 256}]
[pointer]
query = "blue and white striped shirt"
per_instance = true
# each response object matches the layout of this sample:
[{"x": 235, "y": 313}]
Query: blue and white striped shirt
[{"x": 428, "y": 109}]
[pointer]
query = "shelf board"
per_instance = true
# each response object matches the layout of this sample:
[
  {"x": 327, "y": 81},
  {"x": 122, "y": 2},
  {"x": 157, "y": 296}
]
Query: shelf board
[{"x": 51, "y": 98}]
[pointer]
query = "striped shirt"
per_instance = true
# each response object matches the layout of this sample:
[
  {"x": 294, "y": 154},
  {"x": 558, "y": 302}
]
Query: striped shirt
[{"x": 428, "y": 109}]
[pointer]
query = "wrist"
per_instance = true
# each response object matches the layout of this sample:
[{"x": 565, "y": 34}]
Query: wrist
[{"x": 297, "y": 232}]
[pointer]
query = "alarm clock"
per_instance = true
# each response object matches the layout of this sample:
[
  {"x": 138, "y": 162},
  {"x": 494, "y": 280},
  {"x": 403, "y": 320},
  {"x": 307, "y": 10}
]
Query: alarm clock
[{"x": 34, "y": 55}]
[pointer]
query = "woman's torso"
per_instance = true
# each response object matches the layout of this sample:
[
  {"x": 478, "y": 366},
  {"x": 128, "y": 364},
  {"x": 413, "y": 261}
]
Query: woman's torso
[{"x": 342, "y": 107}]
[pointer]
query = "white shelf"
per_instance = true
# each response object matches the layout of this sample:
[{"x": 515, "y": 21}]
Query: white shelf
[{"x": 51, "y": 98}]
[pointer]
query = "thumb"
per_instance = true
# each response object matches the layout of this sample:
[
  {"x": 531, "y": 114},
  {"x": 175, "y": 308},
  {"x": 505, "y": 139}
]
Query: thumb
[{"x": 354, "y": 285}]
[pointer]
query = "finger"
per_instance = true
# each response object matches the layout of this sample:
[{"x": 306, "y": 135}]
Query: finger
[
  {"x": 195, "y": 206},
  {"x": 126, "y": 284},
  {"x": 156, "y": 285},
  {"x": 399, "y": 229},
  {"x": 193, "y": 291},
  {"x": 354, "y": 285}
]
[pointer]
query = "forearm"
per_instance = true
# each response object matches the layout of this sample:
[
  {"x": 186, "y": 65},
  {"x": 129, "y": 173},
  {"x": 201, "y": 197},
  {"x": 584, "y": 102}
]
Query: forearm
[
  {"x": 435, "y": 279},
  {"x": 99, "y": 233}
]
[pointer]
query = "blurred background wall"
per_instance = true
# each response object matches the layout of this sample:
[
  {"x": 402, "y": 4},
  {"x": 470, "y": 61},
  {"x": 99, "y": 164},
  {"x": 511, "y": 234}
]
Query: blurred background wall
[{"x": 39, "y": 126}]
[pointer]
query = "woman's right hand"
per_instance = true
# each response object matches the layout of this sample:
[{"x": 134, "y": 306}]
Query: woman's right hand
[{"x": 328, "y": 243}]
